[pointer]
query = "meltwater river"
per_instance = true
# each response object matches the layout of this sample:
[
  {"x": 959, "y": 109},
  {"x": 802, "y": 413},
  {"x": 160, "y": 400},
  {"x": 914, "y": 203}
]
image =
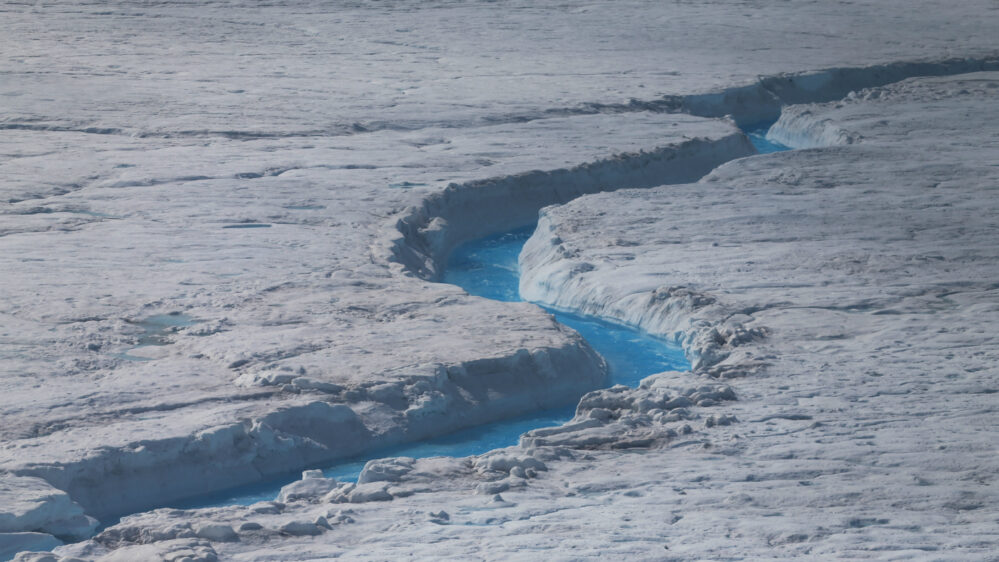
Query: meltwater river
[{"x": 489, "y": 268}]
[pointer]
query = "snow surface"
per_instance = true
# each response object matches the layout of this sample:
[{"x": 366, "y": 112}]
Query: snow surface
[{"x": 277, "y": 177}]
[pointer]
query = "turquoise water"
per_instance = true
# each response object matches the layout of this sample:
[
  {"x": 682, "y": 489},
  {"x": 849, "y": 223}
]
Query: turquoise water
[
  {"x": 758, "y": 136},
  {"x": 488, "y": 268}
]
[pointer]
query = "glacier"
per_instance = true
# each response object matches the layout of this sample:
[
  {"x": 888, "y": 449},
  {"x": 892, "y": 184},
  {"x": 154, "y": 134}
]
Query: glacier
[{"x": 223, "y": 227}]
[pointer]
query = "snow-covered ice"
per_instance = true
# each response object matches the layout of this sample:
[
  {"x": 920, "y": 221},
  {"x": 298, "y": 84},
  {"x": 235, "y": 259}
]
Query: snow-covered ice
[
  {"x": 852, "y": 290},
  {"x": 221, "y": 223}
]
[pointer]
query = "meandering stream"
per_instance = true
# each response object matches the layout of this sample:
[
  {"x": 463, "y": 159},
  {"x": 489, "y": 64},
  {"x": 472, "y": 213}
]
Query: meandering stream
[{"x": 488, "y": 268}]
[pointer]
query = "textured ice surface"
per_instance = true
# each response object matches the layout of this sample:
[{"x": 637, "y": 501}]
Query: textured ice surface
[
  {"x": 864, "y": 366},
  {"x": 137, "y": 135}
]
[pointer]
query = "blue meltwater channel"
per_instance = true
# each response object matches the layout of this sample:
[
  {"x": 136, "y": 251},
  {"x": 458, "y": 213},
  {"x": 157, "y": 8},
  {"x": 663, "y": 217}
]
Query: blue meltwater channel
[{"x": 488, "y": 268}]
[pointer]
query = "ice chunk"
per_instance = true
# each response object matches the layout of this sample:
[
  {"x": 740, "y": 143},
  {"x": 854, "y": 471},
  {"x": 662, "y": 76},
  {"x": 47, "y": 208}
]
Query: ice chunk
[
  {"x": 12, "y": 543},
  {"x": 31, "y": 504}
]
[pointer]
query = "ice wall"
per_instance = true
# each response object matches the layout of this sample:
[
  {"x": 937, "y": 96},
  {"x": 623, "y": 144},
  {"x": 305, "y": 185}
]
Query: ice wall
[
  {"x": 473, "y": 210},
  {"x": 112, "y": 481}
]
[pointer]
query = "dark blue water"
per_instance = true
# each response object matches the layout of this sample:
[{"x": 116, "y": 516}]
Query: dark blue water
[
  {"x": 488, "y": 268},
  {"x": 758, "y": 136}
]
